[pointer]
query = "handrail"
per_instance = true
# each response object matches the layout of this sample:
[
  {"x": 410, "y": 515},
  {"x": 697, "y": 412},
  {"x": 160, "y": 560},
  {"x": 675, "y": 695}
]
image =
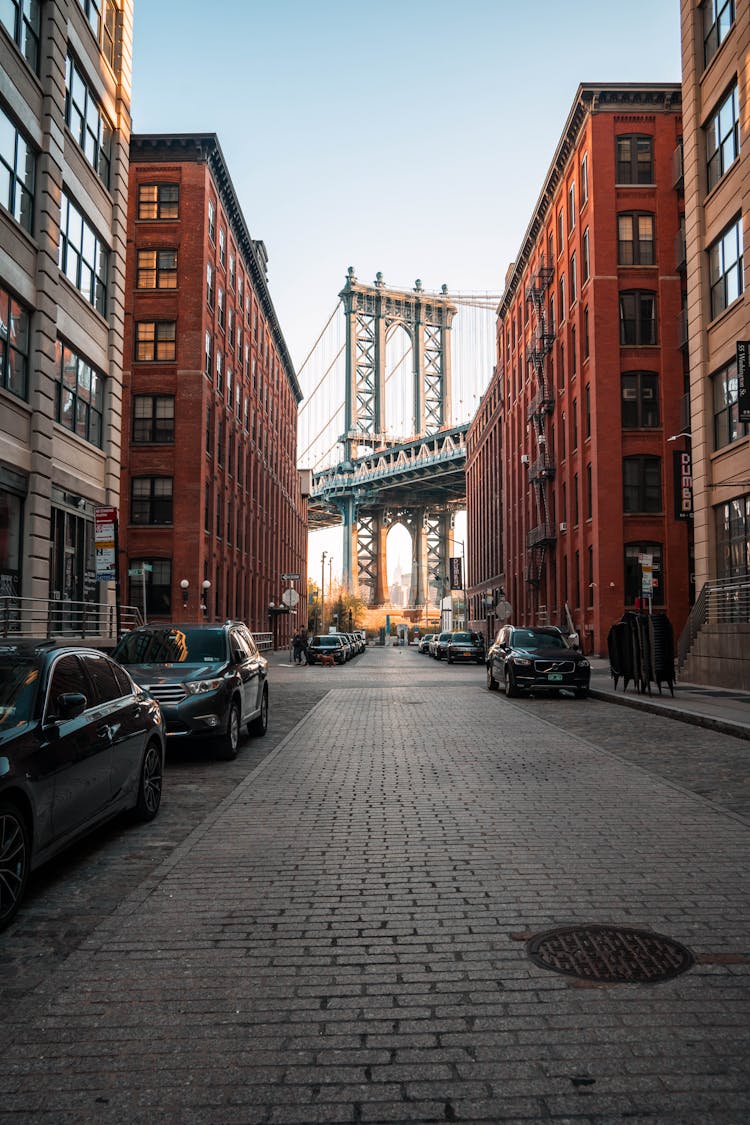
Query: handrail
[
  {"x": 722, "y": 601},
  {"x": 35, "y": 618}
]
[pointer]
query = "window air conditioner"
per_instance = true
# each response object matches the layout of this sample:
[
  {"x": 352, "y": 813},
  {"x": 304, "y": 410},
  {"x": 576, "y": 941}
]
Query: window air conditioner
[{"x": 563, "y": 527}]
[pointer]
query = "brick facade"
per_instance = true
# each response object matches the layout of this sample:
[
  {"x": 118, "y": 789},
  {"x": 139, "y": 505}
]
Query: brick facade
[
  {"x": 583, "y": 404},
  {"x": 213, "y": 416}
]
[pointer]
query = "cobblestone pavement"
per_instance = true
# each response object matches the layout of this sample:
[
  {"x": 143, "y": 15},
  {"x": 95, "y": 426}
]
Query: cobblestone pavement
[{"x": 337, "y": 939}]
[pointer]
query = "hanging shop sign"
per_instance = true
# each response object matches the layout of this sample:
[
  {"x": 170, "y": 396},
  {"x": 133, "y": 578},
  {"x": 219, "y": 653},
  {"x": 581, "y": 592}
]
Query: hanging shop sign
[
  {"x": 456, "y": 573},
  {"x": 743, "y": 379},
  {"x": 683, "y": 485}
]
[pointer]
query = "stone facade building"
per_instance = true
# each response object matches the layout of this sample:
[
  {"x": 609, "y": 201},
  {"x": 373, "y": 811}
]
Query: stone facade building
[{"x": 64, "y": 140}]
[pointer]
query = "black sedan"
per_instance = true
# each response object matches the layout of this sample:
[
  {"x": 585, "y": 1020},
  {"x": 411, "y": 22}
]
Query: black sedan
[
  {"x": 79, "y": 742},
  {"x": 465, "y": 648},
  {"x": 537, "y": 659},
  {"x": 326, "y": 646}
]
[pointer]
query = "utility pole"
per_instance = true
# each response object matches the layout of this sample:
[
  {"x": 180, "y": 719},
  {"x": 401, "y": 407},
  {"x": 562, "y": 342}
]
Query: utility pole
[{"x": 323, "y": 591}]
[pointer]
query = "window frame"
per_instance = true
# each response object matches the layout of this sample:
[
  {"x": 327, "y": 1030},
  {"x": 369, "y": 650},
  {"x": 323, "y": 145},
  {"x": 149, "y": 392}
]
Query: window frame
[
  {"x": 71, "y": 255},
  {"x": 156, "y": 506},
  {"x": 721, "y": 273},
  {"x": 15, "y": 320},
  {"x": 715, "y": 32},
  {"x": 717, "y": 163},
  {"x": 727, "y": 427},
  {"x": 633, "y": 166},
  {"x": 638, "y": 320},
  {"x": 632, "y": 574},
  {"x": 641, "y": 495},
  {"x": 100, "y": 159},
  {"x": 638, "y": 382},
  {"x": 159, "y": 339},
  {"x": 21, "y": 189},
  {"x": 640, "y": 249},
  {"x": 86, "y": 404},
  {"x": 158, "y": 271},
  {"x": 149, "y": 428},
  {"x": 165, "y": 209},
  {"x": 24, "y": 34}
]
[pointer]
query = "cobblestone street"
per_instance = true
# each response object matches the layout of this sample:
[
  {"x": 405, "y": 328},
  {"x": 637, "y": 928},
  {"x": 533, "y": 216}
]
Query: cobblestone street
[{"x": 329, "y": 929}]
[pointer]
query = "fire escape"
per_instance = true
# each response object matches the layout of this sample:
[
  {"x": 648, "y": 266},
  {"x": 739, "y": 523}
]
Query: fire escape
[{"x": 543, "y": 534}]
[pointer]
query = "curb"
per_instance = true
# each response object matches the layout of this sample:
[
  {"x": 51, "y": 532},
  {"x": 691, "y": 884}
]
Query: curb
[{"x": 694, "y": 718}]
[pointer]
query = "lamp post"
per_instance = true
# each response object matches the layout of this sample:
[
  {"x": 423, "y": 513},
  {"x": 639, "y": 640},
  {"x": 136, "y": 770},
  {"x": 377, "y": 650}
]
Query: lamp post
[
  {"x": 459, "y": 543},
  {"x": 185, "y": 588},
  {"x": 205, "y": 586},
  {"x": 323, "y": 590},
  {"x": 272, "y": 622}
]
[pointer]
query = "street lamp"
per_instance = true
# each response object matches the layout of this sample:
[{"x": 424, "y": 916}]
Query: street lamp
[
  {"x": 323, "y": 590},
  {"x": 185, "y": 587},
  {"x": 205, "y": 586}
]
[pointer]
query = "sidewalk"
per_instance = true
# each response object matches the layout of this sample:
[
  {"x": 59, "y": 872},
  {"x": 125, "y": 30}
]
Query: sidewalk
[{"x": 716, "y": 708}]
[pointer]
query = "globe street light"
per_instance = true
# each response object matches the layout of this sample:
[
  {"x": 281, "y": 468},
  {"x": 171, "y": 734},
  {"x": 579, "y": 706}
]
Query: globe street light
[
  {"x": 206, "y": 586},
  {"x": 185, "y": 587}
]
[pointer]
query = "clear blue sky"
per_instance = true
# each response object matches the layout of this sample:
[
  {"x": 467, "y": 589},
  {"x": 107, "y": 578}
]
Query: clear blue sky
[{"x": 407, "y": 136}]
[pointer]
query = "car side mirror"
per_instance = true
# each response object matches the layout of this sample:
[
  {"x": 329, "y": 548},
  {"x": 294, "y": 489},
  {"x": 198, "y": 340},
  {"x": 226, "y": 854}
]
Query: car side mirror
[{"x": 70, "y": 705}]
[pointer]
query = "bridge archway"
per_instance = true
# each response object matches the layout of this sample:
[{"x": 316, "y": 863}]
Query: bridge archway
[{"x": 398, "y": 385}]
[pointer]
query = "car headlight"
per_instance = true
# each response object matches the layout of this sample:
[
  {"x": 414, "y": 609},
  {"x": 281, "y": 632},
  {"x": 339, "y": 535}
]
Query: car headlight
[
  {"x": 199, "y": 687},
  {"x": 583, "y": 664},
  {"x": 522, "y": 662}
]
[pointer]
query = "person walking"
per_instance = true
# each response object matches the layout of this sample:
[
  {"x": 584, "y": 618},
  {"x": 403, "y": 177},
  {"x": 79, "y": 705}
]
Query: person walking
[{"x": 297, "y": 647}]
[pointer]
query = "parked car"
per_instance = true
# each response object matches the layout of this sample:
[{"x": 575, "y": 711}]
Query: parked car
[
  {"x": 326, "y": 644},
  {"x": 79, "y": 742},
  {"x": 424, "y": 643},
  {"x": 465, "y": 647},
  {"x": 210, "y": 679},
  {"x": 441, "y": 645},
  {"x": 535, "y": 660}
]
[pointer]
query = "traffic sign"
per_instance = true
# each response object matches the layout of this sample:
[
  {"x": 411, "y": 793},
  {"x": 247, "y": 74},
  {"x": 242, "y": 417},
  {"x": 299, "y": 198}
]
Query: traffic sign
[
  {"x": 290, "y": 578},
  {"x": 135, "y": 572},
  {"x": 290, "y": 597}
]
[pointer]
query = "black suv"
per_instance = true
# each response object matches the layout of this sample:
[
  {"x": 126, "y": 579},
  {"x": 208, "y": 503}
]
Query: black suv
[
  {"x": 536, "y": 659},
  {"x": 210, "y": 680}
]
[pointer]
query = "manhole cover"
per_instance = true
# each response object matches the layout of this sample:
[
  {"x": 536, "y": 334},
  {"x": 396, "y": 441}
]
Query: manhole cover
[{"x": 609, "y": 953}]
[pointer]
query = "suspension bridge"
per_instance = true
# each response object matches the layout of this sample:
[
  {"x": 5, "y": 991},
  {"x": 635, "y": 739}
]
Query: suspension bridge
[{"x": 390, "y": 387}]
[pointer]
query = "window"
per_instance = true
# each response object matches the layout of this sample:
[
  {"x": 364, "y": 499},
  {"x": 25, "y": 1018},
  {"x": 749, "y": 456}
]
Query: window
[
  {"x": 103, "y": 679},
  {"x": 640, "y": 400},
  {"x": 574, "y": 435},
  {"x": 563, "y": 305},
  {"x": 222, "y": 247},
  {"x": 102, "y": 15},
  {"x": 733, "y": 537},
  {"x": 153, "y": 419},
  {"x": 560, "y": 232},
  {"x": 635, "y": 239},
  {"x": 14, "y": 346},
  {"x": 17, "y": 172},
  {"x": 230, "y": 328},
  {"x": 585, "y": 258},
  {"x": 212, "y": 220},
  {"x": 158, "y": 582},
  {"x": 635, "y": 160},
  {"x": 584, "y": 178},
  {"x": 151, "y": 500},
  {"x": 156, "y": 269},
  {"x": 232, "y": 269},
  {"x": 637, "y": 318},
  {"x": 158, "y": 201},
  {"x": 723, "y": 137},
  {"x": 589, "y": 492},
  {"x": 22, "y": 20},
  {"x": 562, "y": 366},
  {"x": 587, "y": 408},
  {"x": 87, "y": 122},
  {"x": 725, "y": 268},
  {"x": 718, "y": 17},
  {"x": 209, "y": 285},
  {"x": 79, "y": 394},
  {"x": 573, "y": 278},
  {"x": 571, "y": 207},
  {"x": 208, "y": 352},
  {"x": 207, "y": 508},
  {"x": 573, "y": 353},
  {"x": 155, "y": 341},
  {"x": 727, "y": 425},
  {"x": 221, "y": 314},
  {"x": 563, "y": 437},
  {"x": 634, "y": 553},
  {"x": 586, "y": 344},
  {"x": 82, "y": 256},
  {"x": 641, "y": 484}
]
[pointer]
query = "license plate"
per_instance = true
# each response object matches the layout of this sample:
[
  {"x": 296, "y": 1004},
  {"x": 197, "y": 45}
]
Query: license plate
[{"x": 555, "y": 676}]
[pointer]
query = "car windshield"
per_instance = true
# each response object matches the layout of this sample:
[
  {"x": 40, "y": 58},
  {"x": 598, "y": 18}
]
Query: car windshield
[
  {"x": 466, "y": 638},
  {"x": 327, "y": 642},
  {"x": 19, "y": 680},
  {"x": 536, "y": 638},
  {"x": 172, "y": 646}
]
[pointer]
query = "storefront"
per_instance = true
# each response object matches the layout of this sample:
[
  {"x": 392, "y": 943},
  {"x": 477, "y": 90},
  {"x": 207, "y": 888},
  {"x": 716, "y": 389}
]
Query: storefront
[
  {"x": 72, "y": 554},
  {"x": 12, "y": 494}
]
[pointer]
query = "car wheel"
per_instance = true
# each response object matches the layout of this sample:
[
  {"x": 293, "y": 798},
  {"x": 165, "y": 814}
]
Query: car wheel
[
  {"x": 259, "y": 725},
  {"x": 15, "y": 856},
  {"x": 229, "y": 742},
  {"x": 149, "y": 786},
  {"x": 492, "y": 683},
  {"x": 510, "y": 685}
]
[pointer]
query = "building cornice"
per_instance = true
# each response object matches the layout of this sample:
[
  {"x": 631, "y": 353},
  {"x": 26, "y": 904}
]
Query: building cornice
[{"x": 204, "y": 148}]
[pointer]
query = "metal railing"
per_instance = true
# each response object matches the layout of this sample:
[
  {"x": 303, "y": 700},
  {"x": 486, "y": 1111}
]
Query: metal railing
[
  {"x": 263, "y": 641},
  {"x": 725, "y": 601},
  {"x": 22, "y": 618}
]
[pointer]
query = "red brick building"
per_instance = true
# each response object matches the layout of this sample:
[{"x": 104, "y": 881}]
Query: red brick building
[
  {"x": 210, "y": 491},
  {"x": 592, "y": 374}
]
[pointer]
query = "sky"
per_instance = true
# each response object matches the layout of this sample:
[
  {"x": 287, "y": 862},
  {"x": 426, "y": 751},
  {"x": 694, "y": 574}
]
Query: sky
[{"x": 411, "y": 138}]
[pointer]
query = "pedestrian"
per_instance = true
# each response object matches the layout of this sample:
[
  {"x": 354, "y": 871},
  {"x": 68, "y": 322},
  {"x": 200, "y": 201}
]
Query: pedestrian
[
  {"x": 303, "y": 643},
  {"x": 297, "y": 647}
]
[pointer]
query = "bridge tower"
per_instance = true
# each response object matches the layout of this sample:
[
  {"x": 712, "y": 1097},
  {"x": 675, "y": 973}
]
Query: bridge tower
[{"x": 372, "y": 313}]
